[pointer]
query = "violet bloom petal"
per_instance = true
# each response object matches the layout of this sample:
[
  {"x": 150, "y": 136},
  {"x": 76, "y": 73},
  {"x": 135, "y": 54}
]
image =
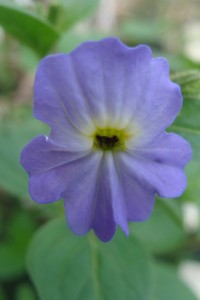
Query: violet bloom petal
[
  {"x": 97, "y": 200},
  {"x": 167, "y": 148},
  {"x": 161, "y": 101},
  {"x": 107, "y": 64},
  {"x": 42, "y": 154},
  {"x": 110, "y": 207},
  {"x": 168, "y": 181},
  {"x": 55, "y": 87},
  {"x": 106, "y": 81},
  {"x": 127, "y": 83},
  {"x": 161, "y": 166},
  {"x": 51, "y": 168},
  {"x": 138, "y": 197},
  {"x": 80, "y": 193}
]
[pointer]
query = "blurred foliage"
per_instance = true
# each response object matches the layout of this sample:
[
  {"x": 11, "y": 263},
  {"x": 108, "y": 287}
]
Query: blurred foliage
[
  {"x": 13, "y": 132},
  {"x": 144, "y": 266},
  {"x": 167, "y": 285},
  {"x": 65, "y": 13},
  {"x": 171, "y": 234},
  {"x": 13, "y": 249},
  {"x": 98, "y": 262},
  {"x": 187, "y": 124},
  {"x": 27, "y": 27}
]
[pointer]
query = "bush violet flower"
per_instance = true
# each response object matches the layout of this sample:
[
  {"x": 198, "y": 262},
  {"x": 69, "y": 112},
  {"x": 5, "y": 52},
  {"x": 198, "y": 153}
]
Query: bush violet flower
[{"x": 108, "y": 153}]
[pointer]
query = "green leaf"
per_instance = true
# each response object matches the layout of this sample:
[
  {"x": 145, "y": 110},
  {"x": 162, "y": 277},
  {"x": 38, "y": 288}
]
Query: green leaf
[
  {"x": 65, "y": 13},
  {"x": 25, "y": 292},
  {"x": 193, "y": 189},
  {"x": 188, "y": 126},
  {"x": 15, "y": 133},
  {"x": 64, "y": 266},
  {"x": 140, "y": 30},
  {"x": 72, "y": 39},
  {"x": 27, "y": 27},
  {"x": 187, "y": 122},
  {"x": 189, "y": 82},
  {"x": 2, "y": 294},
  {"x": 167, "y": 285},
  {"x": 16, "y": 234},
  {"x": 163, "y": 232}
]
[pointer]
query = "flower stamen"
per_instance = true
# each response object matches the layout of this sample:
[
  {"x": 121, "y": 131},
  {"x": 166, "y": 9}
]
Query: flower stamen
[{"x": 109, "y": 139}]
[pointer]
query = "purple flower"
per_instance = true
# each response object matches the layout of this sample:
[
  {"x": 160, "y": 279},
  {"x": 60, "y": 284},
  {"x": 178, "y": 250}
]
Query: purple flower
[{"x": 108, "y": 153}]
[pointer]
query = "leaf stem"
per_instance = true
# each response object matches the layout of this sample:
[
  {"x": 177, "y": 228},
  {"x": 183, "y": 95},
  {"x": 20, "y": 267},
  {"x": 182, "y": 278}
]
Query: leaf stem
[{"x": 95, "y": 265}]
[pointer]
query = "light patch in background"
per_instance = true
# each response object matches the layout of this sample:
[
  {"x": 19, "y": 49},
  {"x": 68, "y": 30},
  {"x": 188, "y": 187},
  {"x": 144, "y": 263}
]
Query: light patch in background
[
  {"x": 24, "y": 2},
  {"x": 190, "y": 273},
  {"x": 106, "y": 16},
  {"x": 192, "y": 40},
  {"x": 1, "y": 34},
  {"x": 191, "y": 217}
]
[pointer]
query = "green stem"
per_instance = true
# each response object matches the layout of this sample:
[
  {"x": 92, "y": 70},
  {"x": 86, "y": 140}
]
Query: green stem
[{"x": 95, "y": 265}]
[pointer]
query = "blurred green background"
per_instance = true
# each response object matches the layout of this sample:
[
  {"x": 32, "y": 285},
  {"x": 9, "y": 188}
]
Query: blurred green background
[{"x": 170, "y": 240}]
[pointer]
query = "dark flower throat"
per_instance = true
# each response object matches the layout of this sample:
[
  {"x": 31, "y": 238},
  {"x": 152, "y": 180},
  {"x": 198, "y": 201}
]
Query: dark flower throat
[{"x": 107, "y": 142}]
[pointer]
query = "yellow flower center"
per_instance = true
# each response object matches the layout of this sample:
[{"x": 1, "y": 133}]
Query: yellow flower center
[{"x": 113, "y": 139}]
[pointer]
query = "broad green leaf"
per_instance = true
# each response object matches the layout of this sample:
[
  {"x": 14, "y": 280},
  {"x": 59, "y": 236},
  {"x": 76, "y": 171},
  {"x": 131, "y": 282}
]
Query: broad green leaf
[
  {"x": 141, "y": 30},
  {"x": 167, "y": 284},
  {"x": 64, "y": 266},
  {"x": 25, "y": 292},
  {"x": 15, "y": 132},
  {"x": 27, "y": 27},
  {"x": 189, "y": 82},
  {"x": 192, "y": 192},
  {"x": 2, "y": 294},
  {"x": 28, "y": 59},
  {"x": 65, "y": 13},
  {"x": 187, "y": 125},
  {"x": 17, "y": 230},
  {"x": 187, "y": 122},
  {"x": 163, "y": 232},
  {"x": 72, "y": 39}
]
